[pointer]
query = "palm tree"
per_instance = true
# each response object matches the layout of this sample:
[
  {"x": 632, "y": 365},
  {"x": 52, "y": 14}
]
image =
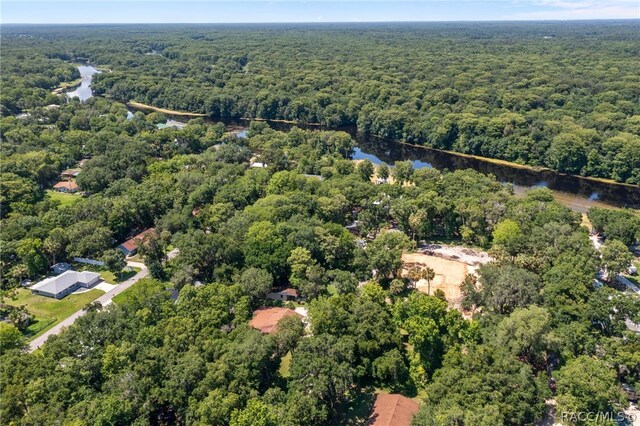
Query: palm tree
[
  {"x": 414, "y": 274},
  {"x": 428, "y": 274}
]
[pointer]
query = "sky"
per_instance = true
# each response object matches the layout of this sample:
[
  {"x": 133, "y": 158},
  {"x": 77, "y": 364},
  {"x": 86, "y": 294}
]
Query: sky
[{"x": 251, "y": 11}]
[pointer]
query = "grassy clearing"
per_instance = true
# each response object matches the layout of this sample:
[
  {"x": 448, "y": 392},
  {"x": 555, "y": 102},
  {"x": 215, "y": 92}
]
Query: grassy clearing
[
  {"x": 110, "y": 278},
  {"x": 65, "y": 200},
  {"x": 285, "y": 365},
  {"x": 48, "y": 311}
]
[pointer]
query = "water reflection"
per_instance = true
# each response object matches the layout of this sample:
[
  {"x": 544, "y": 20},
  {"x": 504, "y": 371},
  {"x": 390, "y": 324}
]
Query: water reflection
[{"x": 84, "y": 90}]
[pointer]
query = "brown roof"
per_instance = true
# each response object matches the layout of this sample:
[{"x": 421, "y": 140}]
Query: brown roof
[
  {"x": 266, "y": 319},
  {"x": 392, "y": 409},
  {"x": 69, "y": 184},
  {"x": 288, "y": 291},
  {"x": 132, "y": 243}
]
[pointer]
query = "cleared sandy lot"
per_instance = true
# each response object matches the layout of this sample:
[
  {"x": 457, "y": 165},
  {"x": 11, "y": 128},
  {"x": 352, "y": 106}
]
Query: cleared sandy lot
[{"x": 449, "y": 274}]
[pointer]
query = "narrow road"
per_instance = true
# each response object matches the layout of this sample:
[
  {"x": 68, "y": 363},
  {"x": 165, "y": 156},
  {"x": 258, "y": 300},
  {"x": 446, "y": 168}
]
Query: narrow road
[
  {"x": 105, "y": 300},
  {"x": 631, "y": 286}
]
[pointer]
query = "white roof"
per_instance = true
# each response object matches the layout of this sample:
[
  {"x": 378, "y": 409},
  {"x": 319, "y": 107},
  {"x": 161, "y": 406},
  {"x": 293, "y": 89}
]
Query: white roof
[
  {"x": 55, "y": 285},
  {"x": 258, "y": 165}
]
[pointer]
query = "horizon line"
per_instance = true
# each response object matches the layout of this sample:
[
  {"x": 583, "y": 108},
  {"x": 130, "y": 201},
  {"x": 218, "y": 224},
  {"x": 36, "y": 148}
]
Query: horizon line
[{"x": 322, "y": 22}]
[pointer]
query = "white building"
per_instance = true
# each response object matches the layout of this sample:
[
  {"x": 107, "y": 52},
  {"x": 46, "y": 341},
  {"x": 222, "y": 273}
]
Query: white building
[{"x": 65, "y": 283}]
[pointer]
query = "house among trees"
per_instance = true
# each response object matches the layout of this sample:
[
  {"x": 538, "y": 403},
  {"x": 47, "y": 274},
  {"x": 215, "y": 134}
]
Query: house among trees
[
  {"x": 65, "y": 283},
  {"x": 285, "y": 295},
  {"x": 392, "y": 409},
  {"x": 60, "y": 267},
  {"x": 266, "y": 319},
  {"x": 68, "y": 186},
  {"x": 130, "y": 247},
  {"x": 70, "y": 173}
]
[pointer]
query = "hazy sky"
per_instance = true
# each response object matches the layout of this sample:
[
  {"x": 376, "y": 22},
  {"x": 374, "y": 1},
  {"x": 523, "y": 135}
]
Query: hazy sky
[{"x": 201, "y": 11}]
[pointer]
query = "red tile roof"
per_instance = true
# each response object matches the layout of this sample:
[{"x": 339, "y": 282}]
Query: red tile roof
[
  {"x": 392, "y": 410},
  {"x": 266, "y": 319},
  {"x": 71, "y": 185},
  {"x": 132, "y": 243}
]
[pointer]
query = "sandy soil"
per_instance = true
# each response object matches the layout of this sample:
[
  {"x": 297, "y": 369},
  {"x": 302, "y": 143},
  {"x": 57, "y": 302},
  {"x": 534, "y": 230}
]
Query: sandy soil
[
  {"x": 465, "y": 255},
  {"x": 449, "y": 274}
]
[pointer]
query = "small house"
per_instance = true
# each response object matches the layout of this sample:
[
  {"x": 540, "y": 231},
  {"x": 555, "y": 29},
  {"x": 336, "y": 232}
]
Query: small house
[
  {"x": 70, "y": 173},
  {"x": 67, "y": 186},
  {"x": 66, "y": 283},
  {"x": 130, "y": 247},
  {"x": 285, "y": 295},
  {"x": 60, "y": 267},
  {"x": 258, "y": 165}
]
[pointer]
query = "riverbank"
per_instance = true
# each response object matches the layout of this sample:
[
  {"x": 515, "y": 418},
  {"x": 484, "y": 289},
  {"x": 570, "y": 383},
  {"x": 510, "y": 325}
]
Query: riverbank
[
  {"x": 290, "y": 122},
  {"x": 513, "y": 165},
  {"x": 139, "y": 105},
  {"x": 66, "y": 85}
]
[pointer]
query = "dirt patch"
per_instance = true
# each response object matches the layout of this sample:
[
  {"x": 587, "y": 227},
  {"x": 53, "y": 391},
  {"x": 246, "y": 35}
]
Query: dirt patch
[{"x": 449, "y": 274}]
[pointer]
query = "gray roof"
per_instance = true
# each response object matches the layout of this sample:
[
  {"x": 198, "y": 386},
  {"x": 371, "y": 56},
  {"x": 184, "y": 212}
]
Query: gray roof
[{"x": 55, "y": 285}]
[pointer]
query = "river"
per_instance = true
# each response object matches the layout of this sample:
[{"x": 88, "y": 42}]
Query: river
[
  {"x": 83, "y": 92},
  {"x": 575, "y": 192}
]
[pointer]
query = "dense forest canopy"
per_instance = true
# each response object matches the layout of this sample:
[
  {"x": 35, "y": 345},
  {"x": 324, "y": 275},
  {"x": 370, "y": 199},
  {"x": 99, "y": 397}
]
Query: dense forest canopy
[
  {"x": 247, "y": 215},
  {"x": 560, "y": 95}
]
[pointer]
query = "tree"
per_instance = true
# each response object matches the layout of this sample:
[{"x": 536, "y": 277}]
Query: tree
[
  {"x": 527, "y": 334},
  {"x": 507, "y": 235},
  {"x": 255, "y": 413},
  {"x": 55, "y": 244},
  {"x": 114, "y": 261},
  {"x": 322, "y": 367},
  {"x": 265, "y": 248},
  {"x": 508, "y": 394},
  {"x": 414, "y": 274},
  {"x": 30, "y": 251},
  {"x": 365, "y": 170},
  {"x": 616, "y": 258},
  {"x": 586, "y": 385},
  {"x": 289, "y": 332},
  {"x": 428, "y": 274},
  {"x": 505, "y": 288},
  {"x": 88, "y": 239},
  {"x": 403, "y": 171},
  {"x": 345, "y": 282},
  {"x": 299, "y": 261},
  {"x": 10, "y": 337},
  {"x": 385, "y": 254},
  {"x": 152, "y": 251},
  {"x": 390, "y": 369},
  {"x": 383, "y": 172},
  {"x": 255, "y": 283},
  {"x": 567, "y": 153},
  {"x": 431, "y": 330}
]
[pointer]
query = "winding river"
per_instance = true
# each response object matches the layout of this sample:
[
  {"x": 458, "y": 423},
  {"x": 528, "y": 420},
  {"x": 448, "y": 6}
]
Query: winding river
[
  {"x": 83, "y": 92},
  {"x": 576, "y": 192}
]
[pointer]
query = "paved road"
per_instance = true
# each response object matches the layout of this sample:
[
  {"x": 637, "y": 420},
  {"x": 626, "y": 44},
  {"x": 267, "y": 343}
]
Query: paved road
[
  {"x": 631, "y": 286},
  {"x": 105, "y": 300}
]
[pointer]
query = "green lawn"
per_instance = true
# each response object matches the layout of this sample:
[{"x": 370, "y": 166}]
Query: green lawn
[
  {"x": 110, "y": 278},
  {"x": 65, "y": 199},
  {"x": 48, "y": 311},
  {"x": 285, "y": 365}
]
